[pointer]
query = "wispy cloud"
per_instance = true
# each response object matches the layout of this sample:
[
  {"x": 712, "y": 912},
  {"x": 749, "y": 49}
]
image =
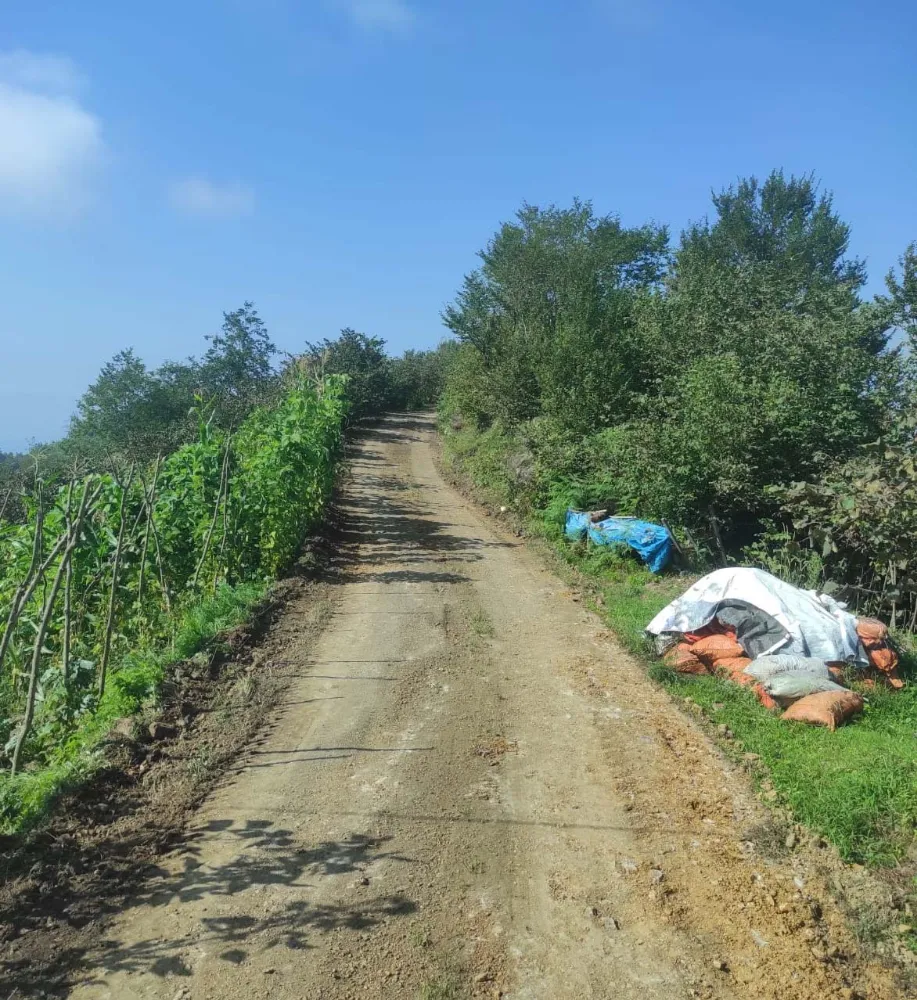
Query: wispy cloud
[
  {"x": 51, "y": 147},
  {"x": 40, "y": 71},
  {"x": 202, "y": 197},
  {"x": 379, "y": 15}
]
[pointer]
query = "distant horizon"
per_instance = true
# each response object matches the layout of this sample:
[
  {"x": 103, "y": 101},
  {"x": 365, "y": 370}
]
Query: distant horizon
[{"x": 341, "y": 163}]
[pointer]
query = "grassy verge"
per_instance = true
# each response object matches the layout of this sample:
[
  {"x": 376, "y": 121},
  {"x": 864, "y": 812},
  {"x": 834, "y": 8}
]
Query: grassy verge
[
  {"x": 856, "y": 787},
  {"x": 28, "y": 797}
]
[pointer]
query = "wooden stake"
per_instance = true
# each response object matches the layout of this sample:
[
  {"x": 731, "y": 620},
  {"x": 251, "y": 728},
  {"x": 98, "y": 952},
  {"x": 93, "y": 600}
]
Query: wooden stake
[
  {"x": 224, "y": 475},
  {"x": 68, "y": 592},
  {"x": 27, "y": 588},
  {"x": 715, "y": 524},
  {"x": 112, "y": 599},
  {"x": 43, "y": 629},
  {"x": 149, "y": 500}
]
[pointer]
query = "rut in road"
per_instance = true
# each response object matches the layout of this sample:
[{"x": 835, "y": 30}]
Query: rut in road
[{"x": 469, "y": 792}]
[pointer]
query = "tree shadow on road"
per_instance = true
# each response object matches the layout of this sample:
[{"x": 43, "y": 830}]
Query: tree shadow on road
[{"x": 260, "y": 855}]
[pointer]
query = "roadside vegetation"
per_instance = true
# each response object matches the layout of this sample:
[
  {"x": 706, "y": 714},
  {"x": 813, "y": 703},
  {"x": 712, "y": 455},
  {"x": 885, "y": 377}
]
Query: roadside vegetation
[
  {"x": 158, "y": 523},
  {"x": 737, "y": 386}
]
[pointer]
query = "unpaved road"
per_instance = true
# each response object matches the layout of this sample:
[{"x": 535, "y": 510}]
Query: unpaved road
[{"x": 468, "y": 792}]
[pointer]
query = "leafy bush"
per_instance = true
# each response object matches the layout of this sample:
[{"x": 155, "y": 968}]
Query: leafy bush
[
  {"x": 144, "y": 560},
  {"x": 675, "y": 385},
  {"x": 860, "y": 522}
]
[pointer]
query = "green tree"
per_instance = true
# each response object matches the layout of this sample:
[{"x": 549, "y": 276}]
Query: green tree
[
  {"x": 551, "y": 313},
  {"x": 120, "y": 411},
  {"x": 133, "y": 412},
  {"x": 903, "y": 292},
  {"x": 678, "y": 385},
  {"x": 363, "y": 360},
  {"x": 237, "y": 371},
  {"x": 417, "y": 377}
]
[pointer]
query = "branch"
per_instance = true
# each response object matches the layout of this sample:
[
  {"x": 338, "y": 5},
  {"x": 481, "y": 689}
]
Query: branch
[{"x": 68, "y": 590}]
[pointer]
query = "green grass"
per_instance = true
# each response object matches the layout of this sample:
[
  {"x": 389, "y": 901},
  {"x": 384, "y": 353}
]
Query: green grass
[
  {"x": 441, "y": 988},
  {"x": 27, "y": 799},
  {"x": 481, "y": 624},
  {"x": 857, "y": 787}
]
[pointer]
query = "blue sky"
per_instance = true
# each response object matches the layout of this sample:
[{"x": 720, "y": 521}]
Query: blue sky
[{"x": 340, "y": 161}]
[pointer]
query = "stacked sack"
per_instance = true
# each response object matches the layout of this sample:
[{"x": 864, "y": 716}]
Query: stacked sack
[
  {"x": 715, "y": 649},
  {"x": 809, "y": 690}
]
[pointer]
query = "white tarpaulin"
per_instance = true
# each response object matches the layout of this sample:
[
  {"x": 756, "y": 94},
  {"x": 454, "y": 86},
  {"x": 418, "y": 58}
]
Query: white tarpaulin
[{"x": 817, "y": 624}]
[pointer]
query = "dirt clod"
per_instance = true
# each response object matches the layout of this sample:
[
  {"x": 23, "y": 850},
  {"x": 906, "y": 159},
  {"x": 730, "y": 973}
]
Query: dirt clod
[{"x": 160, "y": 731}]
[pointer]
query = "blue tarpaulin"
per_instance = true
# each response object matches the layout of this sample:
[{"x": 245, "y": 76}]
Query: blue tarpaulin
[
  {"x": 577, "y": 525},
  {"x": 652, "y": 542}
]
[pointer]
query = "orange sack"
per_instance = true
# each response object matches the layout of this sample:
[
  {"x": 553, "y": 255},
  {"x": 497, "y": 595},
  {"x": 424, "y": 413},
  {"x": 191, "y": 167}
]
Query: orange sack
[
  {"x": 872, "y": 632},
  {"x": 766, "y": 700},
  {"x": 729, "y": 668},
  {"x": 825, "y": 708},
  {"x": 883, "y": 658},
  {"x": 894, "y": 680},
  {"x": 886, "y": 678},
  {"x": 716, "y": 647},
  {"x": 838, "y": 672},
  {"x": 683, "y": 661},
  {"x": 716, "y": 627}
]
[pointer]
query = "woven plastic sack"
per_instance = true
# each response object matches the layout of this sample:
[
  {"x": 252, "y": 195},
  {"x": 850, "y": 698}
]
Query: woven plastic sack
[
  {"x": 885, "y": 678},
  {"x": 789, "y": 687},
  {"x": 682, "y": 660},
  {"x": 766, "y": 700},
  {"x": 883, "y": 658},
  {"x": 872, "y": 632},
  {"x": 766, "y": 667},
  {"x": 729, "y": 668},
  {"x": 827, "y": 708},
  {"x": 716, "y": 647},
  {"x": 838, "y": 672}
]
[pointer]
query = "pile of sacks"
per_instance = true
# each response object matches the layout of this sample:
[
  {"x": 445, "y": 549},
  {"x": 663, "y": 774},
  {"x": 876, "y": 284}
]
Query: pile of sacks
[
  {"x": 809, "y": 689},
  {"x": 752, "y": 629}
]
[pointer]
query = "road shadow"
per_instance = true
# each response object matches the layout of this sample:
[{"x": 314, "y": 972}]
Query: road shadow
[
  {"x": 261, "y": 855},
  {"x": 87, "y": 871}
]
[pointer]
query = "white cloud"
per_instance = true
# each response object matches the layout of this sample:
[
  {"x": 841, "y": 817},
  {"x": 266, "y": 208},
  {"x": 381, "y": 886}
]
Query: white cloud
[
  {"x": 51, "y": 147},
  {"x": 199, "y": 196},
  {"x": 54, "y": 74},
  {"x": 384, "y": 15}
]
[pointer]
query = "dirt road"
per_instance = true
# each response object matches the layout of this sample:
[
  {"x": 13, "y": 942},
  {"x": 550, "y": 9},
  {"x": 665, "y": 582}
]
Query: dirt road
[{"x": 469, "y": 791}]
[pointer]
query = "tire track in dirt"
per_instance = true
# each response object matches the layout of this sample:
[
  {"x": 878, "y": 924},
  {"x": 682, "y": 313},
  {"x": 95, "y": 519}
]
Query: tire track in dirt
[{"x": 470, "y": 791}]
